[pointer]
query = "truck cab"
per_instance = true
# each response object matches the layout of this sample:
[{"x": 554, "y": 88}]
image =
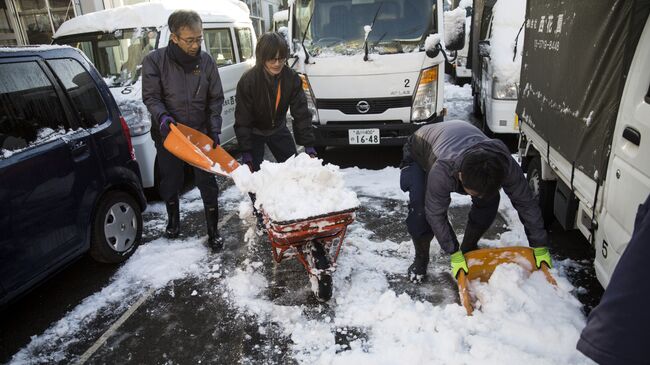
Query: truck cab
[
  {"x": 584, "y": 127},
  {"x": 365, "y": 70}
]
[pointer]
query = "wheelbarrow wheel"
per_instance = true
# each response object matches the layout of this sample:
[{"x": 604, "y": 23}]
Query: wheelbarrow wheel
[{"x": 321, "y": 284}]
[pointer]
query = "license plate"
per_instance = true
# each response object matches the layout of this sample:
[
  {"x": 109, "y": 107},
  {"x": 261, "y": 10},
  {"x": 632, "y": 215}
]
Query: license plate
[{"x": 363, "y": 136}]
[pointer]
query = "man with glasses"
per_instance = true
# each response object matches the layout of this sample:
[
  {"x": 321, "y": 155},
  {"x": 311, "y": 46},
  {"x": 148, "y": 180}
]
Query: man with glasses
[
  {"x": 180, "y": 83},
  {"x": 456, "y": 157},
  {"x": 264, "y": 94}
]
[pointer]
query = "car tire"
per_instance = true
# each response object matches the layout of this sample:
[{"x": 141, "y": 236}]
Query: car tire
[
  {"x": 117, "y": 228},
  {"x": 543, "y": 190}
]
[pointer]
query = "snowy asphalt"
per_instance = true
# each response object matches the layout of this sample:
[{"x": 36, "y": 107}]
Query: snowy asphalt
[{"x": 174, "y": 302}]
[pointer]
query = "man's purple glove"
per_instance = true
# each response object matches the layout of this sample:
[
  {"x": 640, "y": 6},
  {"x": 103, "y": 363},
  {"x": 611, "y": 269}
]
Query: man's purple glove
[
  {"x": 311, "y": 151},
  {"x": 215, "y": 140},
  {"x": 247, "y": 159},
  {"x": 165, "y": 120}
]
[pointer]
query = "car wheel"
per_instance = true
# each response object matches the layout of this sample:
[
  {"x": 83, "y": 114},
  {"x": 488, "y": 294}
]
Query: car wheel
[
  {"x": 117, "y": 228},
  {"x": 543, "y": 190}
]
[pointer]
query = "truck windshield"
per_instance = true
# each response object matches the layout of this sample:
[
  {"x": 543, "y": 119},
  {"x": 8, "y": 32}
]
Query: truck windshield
[
  {"x": 118, "y": 55},
  {"x": 337, "y": 26}
]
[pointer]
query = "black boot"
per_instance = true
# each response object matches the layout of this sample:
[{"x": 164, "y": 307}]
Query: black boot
[
  {"x": 173, "y": 219},
  {"x": 418, "y": 268},
  {"x": 215, "y": 242}
]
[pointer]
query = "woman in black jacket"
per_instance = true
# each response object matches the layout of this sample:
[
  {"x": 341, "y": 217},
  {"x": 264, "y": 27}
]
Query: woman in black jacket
[{"x": 264, "y": 94}]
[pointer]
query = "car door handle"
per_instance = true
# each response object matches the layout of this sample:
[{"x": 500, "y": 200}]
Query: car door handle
[
  {"x": 77, "y": 147},
  {"x": 632, "y": 135}
]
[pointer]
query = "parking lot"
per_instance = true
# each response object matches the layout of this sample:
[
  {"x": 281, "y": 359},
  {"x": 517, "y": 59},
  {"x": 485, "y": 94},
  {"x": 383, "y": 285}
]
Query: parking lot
[{"x": 174, "y": 302}]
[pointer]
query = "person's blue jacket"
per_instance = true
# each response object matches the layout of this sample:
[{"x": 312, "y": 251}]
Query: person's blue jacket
[{"x": 617, "y": 329}]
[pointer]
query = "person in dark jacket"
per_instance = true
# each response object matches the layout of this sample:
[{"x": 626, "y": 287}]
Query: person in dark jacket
[
  {"x": 181, "y": 83},
  {"x": 264, "y": 94},
  {"x": 616, "y": 329},
  {"x": 456, "y": 157}
]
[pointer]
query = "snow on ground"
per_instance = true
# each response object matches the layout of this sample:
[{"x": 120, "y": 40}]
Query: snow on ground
[
  {"x": 458, "y": 101},
  {"x": 522, "y": 319},
  {"x": 152, "y": 266}
]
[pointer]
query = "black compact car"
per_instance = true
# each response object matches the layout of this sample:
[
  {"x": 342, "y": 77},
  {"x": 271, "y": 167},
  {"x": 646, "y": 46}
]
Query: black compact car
[{"x": 69, "y": 182}]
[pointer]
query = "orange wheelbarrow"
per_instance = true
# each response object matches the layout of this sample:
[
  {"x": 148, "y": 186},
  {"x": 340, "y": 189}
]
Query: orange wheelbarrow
[
  {"x": 481, "y": 264},
  {"x": 315, "y": 242}
]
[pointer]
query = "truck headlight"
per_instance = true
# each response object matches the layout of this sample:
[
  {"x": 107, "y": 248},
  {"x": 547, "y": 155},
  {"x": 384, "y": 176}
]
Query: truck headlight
[
  {"x": 311, "y": 100},
  {"x": 504, "y": 90},
  {"x": 424, "y": 102},
  {"x": 137, "y": 118}
]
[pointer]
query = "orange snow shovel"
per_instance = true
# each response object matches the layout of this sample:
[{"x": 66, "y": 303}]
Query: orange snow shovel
[
  {"x": 195, "y": 148},
  {"x": 481, "y": 263}
]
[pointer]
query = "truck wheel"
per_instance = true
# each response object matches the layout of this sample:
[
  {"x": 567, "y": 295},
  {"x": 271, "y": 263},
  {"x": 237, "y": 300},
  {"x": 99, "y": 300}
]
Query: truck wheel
[
  {"x": 117, "y": 228},
  {"x": 321, "y": 284},
  {"x": 543, "y": 190}
]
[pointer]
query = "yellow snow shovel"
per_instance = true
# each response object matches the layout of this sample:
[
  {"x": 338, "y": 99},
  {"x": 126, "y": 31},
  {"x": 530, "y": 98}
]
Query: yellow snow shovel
[
  {"x": 195, "y": 148},
  {"x": 481, "y": 263}
]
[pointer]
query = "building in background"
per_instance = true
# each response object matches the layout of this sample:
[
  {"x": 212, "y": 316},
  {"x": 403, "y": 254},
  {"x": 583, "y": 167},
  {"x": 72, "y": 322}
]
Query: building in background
[{"x": 34, "y": 21}]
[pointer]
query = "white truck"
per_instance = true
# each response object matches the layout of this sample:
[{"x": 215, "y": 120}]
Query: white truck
[
  {"x": 498, "y": 30},
  {"x": 462, "y": 71},
  {"x": 365, "y": 68},
  {"x": 584, "y": 114},
  {"x": 116, "y": 40}
]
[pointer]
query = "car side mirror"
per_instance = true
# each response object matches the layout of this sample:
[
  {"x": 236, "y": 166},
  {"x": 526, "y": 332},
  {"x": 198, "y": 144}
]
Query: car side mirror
[
  {"x": 455, "y": 29},
  {"x": 484, "y": 48}
]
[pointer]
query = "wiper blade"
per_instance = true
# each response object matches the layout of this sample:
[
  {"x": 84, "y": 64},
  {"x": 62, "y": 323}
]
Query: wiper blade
[{"x": 365, "y": 42}]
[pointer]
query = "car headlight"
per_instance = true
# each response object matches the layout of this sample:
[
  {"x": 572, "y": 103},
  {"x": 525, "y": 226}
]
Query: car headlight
[
  {"x": 424, "y": 102},
  {"x": 311, "y": 100},
  {"x": 504, "y": 90},
  {"x": 136, "y": 118}
]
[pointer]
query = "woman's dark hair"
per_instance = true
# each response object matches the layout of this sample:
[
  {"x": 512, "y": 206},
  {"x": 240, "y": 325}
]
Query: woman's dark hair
[
  {"x": 184, "y": 18},
  {"x": 269, "y": 46},
  {"x": 482, "y": 172}
]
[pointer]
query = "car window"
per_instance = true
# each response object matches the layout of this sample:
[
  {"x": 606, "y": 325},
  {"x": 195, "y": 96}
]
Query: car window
[
  {"x": 219, "y": 45},
  {"x": 245, "y": 44},
  {"x": 30, "y": 110},
  {"x": 82, "y": 90}
]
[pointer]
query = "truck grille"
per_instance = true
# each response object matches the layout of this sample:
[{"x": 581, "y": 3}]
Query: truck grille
[{"x": 374, "y": 105}]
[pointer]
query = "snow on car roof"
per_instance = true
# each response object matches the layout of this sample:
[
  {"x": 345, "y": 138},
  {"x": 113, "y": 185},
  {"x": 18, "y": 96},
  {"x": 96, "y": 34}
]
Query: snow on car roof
[
  {"x": 153, "y": 15},
  {"x": 35, "y": 48}
]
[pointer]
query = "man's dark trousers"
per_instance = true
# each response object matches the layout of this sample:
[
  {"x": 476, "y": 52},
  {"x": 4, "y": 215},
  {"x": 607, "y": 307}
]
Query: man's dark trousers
[
  {"x": 280, "y": 143},
  {"x": 171, "y": 170}
]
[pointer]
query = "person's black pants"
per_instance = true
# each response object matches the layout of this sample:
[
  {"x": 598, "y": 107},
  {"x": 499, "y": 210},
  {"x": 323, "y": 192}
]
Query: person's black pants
[
  {"x": 280, "y": 143},
  {"x": 171, "y": 170}
]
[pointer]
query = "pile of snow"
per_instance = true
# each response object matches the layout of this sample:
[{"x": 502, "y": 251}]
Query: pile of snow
[
  {"x": 509, "y": 15},
  {"x": 299, "y": 188},
  {"x": 454, "y": 24}
]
